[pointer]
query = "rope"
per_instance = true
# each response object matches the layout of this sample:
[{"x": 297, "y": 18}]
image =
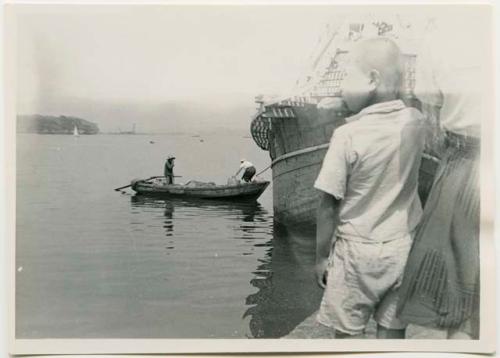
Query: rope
[
  {"x": 324, "y": 146},
  {"x": 300, "y": 151},
  {"x": 262, "y": 171},
  {"x": 320, "y": 147}
]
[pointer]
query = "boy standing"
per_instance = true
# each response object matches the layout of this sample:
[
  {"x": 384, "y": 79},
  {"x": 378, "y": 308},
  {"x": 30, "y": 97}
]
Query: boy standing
[{"x": 369, "y": 205}]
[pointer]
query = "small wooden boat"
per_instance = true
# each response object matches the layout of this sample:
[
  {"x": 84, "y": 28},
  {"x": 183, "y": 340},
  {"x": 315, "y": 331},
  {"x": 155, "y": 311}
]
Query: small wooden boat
[{"x": 247, "y": 191}]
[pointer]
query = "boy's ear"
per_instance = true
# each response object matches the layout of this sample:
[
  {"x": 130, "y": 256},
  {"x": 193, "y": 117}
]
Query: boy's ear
[{"x": 375, "y": 79}]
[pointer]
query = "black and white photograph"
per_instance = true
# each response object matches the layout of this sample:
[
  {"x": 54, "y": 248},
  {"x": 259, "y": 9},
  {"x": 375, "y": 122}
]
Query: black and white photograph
[{"x": 206, "y": 178}]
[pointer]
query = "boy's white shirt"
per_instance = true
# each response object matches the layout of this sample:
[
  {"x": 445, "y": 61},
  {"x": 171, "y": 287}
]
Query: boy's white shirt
[{"x": 372, "y": 165}]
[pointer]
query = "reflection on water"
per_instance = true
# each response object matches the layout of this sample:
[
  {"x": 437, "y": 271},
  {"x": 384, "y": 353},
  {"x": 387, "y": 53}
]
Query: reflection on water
[
  {"x": 100, "y": 264},
  {"x": 287, "y": 292},
  {"x": 284, "y": 279},
  {"x": 169, "y": 224},
  {"x": 250, "y": 214}
]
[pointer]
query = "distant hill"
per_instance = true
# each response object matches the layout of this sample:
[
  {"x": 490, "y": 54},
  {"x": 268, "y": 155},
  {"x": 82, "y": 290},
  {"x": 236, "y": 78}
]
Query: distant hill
[
  {"x": 37, "y": 123},
  {"x": 191, "y": 116}
]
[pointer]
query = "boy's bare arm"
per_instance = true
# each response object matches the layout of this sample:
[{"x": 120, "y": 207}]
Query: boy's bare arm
[{"x": 326, "y": 223}]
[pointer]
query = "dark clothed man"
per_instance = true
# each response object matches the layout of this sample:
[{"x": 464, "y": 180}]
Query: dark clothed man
[{"x": 169, "y": 170}]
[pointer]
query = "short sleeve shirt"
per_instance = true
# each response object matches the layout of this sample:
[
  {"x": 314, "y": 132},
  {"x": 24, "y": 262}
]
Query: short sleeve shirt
[{"x": 372, "y": 165}]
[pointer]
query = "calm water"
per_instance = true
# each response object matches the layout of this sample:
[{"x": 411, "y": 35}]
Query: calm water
[{"x": 95, "y": 263}]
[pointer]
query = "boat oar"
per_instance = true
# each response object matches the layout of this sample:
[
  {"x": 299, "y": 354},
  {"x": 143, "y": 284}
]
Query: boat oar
[{"x": 126, "y": 186}]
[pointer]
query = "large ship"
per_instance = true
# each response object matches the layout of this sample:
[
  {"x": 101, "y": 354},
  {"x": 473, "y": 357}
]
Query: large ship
[{"x": 296, "y": 131}]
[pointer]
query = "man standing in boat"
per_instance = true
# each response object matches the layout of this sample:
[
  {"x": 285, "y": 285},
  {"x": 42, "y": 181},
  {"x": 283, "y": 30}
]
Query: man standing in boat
[
  {"x": 169, "y": 169},
  {"x": 249, "y": 172}
]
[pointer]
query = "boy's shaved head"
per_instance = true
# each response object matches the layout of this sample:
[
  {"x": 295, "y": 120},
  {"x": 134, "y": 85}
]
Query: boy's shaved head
[
  {"x": 381, "y": 54},
  {"x": 374, "y": 74}
]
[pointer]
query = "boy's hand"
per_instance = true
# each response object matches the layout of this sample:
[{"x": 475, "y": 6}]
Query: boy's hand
[
  {"x": 321, "y": 269},
  {"x": 398, "y": 283}
]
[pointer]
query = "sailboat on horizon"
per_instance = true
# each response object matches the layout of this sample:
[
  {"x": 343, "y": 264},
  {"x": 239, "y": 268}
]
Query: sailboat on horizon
[{"x": 75, "y": 132}]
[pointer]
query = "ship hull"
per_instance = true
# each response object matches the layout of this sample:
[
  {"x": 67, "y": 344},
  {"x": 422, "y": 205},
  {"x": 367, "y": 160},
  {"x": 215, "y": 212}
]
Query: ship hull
[
  {"x": 297, "y": 146},
  {"x": 294, "y": 197}
]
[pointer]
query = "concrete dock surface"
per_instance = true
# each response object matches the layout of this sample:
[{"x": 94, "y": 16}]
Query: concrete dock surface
[{"x": 309, "y": 328}]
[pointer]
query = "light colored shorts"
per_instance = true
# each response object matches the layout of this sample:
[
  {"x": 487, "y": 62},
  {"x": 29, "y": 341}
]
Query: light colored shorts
[{"x": 361, "y": 282}]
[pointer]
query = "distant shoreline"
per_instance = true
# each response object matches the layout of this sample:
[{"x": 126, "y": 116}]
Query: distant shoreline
[
  {"x": 66, "y": 125},
  {"x": 243, "y": 134}
]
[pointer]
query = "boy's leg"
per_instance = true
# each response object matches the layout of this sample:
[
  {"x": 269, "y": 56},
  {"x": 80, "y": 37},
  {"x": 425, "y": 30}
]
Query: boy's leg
[
  {"x": 322, "y": 331},
  {"x": 389, "y": 326},
  {"x": 347, "y": 302},
  {"x": 325, "y": 332},
  {"x": 389, "y": 333},
  {"x": 342, "y": 335}
]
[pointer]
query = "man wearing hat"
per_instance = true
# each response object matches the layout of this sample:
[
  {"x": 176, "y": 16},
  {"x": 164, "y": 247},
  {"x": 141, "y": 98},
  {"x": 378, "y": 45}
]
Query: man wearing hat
[
  {"x": 249, "y": 170},
  {"x": 169, "y": 169}
]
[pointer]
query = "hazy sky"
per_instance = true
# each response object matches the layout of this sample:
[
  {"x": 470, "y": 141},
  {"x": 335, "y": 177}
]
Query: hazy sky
[
  {"x": 119, "y": 65},
  {"x": 161, "y": 53}
]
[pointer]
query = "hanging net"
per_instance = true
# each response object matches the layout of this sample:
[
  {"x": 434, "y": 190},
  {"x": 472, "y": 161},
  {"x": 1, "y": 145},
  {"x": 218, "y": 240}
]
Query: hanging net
[{"x": 260, "y": 129}]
